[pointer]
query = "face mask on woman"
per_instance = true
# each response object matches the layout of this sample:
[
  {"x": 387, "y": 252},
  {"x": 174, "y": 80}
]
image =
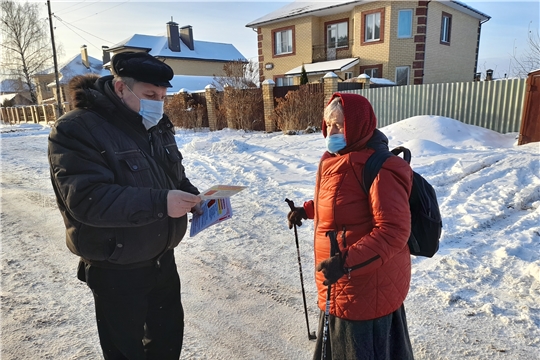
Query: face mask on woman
[
  {"x": 335, "y": 142},
  {"x": 150, "y": 110}
]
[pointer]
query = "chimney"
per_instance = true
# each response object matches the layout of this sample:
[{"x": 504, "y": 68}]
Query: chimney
[
  {"x": 477, "y": 76},
  {"x": 173, "y": 36},
  {"x": 106, "y": 54},
  {"x": 489, "y": 75},
  {"x": 84, "y": 57},
  {"x": 186, "y": 34}
]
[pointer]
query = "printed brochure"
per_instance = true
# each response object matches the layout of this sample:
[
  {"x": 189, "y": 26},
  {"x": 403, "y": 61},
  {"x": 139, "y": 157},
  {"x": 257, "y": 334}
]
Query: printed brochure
[{"x": 216, "y": 207}]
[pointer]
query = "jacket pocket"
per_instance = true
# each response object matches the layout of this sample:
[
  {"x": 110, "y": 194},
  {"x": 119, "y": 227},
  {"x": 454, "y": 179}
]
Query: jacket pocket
[
  {"x": 137, "y": 170},
  {"x": 97, "y": 244}
]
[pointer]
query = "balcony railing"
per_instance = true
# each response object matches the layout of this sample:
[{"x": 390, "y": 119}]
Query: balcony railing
[{"x": 327, "y": 53}]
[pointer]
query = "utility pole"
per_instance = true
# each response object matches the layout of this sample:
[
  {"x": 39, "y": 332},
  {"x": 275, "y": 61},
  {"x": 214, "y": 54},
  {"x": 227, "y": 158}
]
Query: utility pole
[{"x": 58, "y": 98}]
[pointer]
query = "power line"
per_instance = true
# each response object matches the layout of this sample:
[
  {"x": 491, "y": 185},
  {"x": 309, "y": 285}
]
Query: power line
[
  {"x": 92, "y": 3},
  {"x": 69, "y": 24},
  {"x": 99, "y": 12},
  {"x": 72, "y": 5}
]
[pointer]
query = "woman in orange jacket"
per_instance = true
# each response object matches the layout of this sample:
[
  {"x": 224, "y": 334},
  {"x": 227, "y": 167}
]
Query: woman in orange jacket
[{"x": 366, "y": 278}]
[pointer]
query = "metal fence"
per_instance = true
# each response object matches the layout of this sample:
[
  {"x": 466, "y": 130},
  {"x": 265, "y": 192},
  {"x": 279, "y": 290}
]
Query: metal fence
[{"x": 495, "y": 105}]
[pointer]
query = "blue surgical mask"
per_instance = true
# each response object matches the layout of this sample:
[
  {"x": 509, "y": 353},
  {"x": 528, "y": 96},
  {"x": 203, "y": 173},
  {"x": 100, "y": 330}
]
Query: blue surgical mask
[
  {"x": 335, "y": 142},
  {"x": 150, "y": 110}
]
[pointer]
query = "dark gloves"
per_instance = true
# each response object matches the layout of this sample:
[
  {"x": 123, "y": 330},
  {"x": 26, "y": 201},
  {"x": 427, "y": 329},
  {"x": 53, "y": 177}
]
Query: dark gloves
[
  {"x": 332, "y": 268},
  {"x": 295, "y": 216}
]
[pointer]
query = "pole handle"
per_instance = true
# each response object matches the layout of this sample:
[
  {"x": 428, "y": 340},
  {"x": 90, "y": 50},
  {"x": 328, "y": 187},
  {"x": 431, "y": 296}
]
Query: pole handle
[{"x": 291, "y": 204}]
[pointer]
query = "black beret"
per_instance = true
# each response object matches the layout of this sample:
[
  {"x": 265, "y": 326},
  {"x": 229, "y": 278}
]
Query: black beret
[{"x": 142, "y": 67}]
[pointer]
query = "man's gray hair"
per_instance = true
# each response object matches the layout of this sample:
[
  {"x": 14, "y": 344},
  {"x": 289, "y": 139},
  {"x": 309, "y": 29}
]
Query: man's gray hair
[
  {"x": 130, "y": 82},
  {"x": 334, "y": 110}
]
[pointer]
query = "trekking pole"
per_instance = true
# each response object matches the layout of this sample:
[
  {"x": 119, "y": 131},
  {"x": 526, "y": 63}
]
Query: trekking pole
[
  {"x": 334, "y": 249},
  {"x": 311, "y": 335}
]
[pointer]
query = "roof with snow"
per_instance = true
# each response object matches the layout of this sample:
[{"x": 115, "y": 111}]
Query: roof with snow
[
  {"x": 300, "y": 8},
  {"x": 202, "y": 50},
  {"x": 12, "y": 86},
  {"x": 325, "y": 66},
  {"x": 74, "y": 67}
]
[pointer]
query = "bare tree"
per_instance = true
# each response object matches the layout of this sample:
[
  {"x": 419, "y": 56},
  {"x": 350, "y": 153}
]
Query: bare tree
[
  {"x": 242, "y": 102},
  {"x": 238, "y": 74},
  {"x": 530, "y": 59},
  {"x": 25, "y": 42}
]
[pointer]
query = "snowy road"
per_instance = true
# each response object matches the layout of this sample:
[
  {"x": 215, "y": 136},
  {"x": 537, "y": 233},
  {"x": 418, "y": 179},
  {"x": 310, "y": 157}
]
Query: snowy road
[{"x": 479, "y": 298}]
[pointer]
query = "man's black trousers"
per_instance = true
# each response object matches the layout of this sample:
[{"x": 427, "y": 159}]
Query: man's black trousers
[{"x": 139, "y": 313}]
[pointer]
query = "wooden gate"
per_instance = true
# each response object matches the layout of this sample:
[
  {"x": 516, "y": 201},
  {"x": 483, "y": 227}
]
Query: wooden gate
[{"x": 530, "y": 121}]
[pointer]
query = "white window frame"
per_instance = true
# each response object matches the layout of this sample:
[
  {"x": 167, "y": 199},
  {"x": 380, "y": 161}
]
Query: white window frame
[
  {"x": 347, "y": 75},
  {"x": 336, "y": 27},
  {"x": 408, "y": 68},
  {"x": 373, "y": 20},
  {"x": 404, "y": 28},
  {"x": 446, "y": 28},
  {"x": 285, "y": 81},
  {"x": 369, "y": 72},
  {"x": 279, "y": 37}
]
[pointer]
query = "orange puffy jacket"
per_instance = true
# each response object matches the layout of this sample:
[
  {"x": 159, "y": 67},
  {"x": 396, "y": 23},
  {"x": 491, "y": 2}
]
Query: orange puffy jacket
[{"x": 372, "y": 231}]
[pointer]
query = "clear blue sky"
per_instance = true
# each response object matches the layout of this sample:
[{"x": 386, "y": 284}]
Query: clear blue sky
[{"x": 103, "y": 22}]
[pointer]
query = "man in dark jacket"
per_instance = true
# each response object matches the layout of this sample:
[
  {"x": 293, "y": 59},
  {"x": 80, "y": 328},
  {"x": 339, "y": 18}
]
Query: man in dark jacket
[{"x": 122, "y": 190}]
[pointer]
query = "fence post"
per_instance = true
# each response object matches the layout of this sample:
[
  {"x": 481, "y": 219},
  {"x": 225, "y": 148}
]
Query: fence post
[
  {"x": 364, "y": 79},
  {"x": 17, "y": 115},
  {"x": 45, "y": 115},
  {"x": 3, "y": 114},
  {"x": 330, "y": 86},
  {"x": 210, "y": 93},
  {"x": 25, "y": 116},
  {"x": 228, "y": 101},
  {"x": 35, "y": 114},
  {"x": 268, "y": 103},
  {"x": 10, "y": 115}
]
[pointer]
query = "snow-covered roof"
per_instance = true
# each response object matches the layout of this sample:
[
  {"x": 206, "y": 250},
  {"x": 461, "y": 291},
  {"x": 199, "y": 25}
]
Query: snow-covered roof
[
  {"x": 300, "y": 8},
  {"x": 159, "y": 46},
  {"x": 12, "y": 86},
  {"x": 324, "y": 66},
  {"x": 381, "y": 81},
  {"x": 7, "y": 97},
  {"x": 74, "y": 67}
]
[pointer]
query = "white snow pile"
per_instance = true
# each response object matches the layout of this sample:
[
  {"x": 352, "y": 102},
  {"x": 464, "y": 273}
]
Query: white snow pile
[{"x": 477, "y": 298}]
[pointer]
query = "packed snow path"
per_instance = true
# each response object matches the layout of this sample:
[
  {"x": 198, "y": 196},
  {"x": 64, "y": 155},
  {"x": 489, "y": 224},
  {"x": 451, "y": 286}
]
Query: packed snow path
[{"x": 478, "y": 298}]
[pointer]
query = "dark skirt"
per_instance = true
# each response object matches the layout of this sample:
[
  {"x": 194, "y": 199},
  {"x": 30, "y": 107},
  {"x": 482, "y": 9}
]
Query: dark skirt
[{"x": 384, "y": 338}]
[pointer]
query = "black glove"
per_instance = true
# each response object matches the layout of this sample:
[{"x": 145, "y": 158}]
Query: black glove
[
  {"x": 295, "y": 216},
  {"x": 332, "y": 268}
]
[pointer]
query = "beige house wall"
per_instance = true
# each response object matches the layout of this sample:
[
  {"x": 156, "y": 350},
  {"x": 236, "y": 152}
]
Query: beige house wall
[
  {"x": 196, "y": 67},
  {"x": 302, "y": 40},
  {"x": 403, "y": 50},
  {"x": 43, "y": 92},
  {"x": 189, "y": 67},
  {"x": 377, "y": 53},
  {"x": 454, "y": 62}
]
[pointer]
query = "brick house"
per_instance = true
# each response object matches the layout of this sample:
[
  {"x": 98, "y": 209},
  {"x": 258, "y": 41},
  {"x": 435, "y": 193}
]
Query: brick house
[
  {"x": 185, "y": 55},
  {"x": 408, "y": 42}
]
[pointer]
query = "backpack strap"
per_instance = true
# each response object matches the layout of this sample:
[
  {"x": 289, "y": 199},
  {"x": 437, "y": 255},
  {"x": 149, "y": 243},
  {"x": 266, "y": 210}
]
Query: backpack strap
[
  {"x": 406, "y": 153},
  {"x": 372, "y": 167}
]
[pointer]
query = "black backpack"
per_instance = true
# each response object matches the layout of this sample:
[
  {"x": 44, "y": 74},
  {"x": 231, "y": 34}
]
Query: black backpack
[{"x": 426, "y": 222}]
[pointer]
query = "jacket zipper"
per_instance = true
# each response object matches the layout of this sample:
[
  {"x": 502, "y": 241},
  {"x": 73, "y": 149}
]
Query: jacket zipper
[{"x": 365, "y": 263}]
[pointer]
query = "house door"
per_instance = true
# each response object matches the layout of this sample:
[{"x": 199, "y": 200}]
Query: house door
[{"x": 331, "y": 42}]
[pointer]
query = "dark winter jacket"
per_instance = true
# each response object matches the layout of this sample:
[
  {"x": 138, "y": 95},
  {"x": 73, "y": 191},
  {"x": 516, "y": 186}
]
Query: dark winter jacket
[
  {"x": 112, "y": 189},
  {"x": 372, "y": 230}
]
